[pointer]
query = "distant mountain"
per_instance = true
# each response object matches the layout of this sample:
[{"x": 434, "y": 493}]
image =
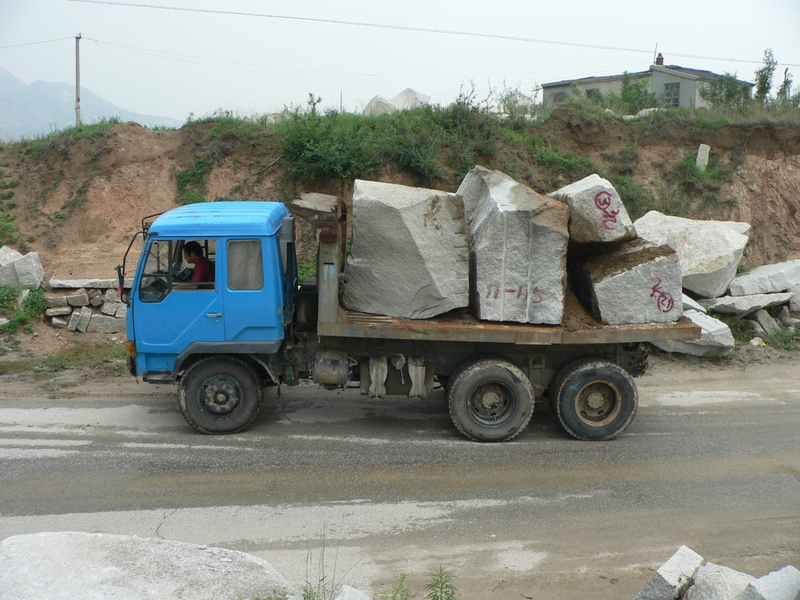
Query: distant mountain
[{"x": 27, "y": 111}]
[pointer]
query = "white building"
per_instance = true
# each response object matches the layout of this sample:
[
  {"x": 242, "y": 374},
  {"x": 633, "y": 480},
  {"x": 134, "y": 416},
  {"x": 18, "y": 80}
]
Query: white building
[{"x": 677, "y": 86}]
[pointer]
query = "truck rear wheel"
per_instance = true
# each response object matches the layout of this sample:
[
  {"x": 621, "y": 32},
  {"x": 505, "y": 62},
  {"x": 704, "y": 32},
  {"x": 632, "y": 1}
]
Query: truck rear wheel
[
  {"x": 219, "y": 395},
  {"x": 490, "y": 400},
  {"x": 595, "y": 399}
]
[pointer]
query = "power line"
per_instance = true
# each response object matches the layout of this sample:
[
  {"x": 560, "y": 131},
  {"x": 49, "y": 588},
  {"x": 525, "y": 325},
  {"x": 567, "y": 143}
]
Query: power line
[
  {"x": 35, "y": 43},
  {"x": 413, "y": 29}
]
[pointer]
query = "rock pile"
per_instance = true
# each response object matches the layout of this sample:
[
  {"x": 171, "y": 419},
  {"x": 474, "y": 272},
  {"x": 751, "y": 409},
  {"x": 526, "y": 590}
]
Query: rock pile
[
  {"x": 86, "y": 305},
  {"x": 20, "y": 271},
  {"x": 409, "y": 247},
  {"x": 687, "y": 576},
  {"x": 710, "y": 253}
]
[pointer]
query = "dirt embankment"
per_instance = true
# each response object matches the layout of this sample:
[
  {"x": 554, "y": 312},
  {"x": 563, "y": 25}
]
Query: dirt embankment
[{"x": 78, "y": 204}]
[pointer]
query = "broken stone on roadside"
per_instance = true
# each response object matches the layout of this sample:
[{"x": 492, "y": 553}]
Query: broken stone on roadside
[
  {"x": 409, "y": 255},
  {"x": 672, "y": 578},
  {"x": 767, "y": 322},
  {"x": 58, "y": 322},
  {"x": 692, "y": 304},
  {"x": 518, "y": 247},
  {"x": 744, "y": 305},
  {"x": 84, "y": 318},
  {"x": 715, "y": 339},
  {"x": 637, "y": 283},
  {"x": 59, "y": 311},
  {"x": 596, "y": 211},
  {"x": 8, "y": 255},
  {"x": 25, "y": 271},
  {"x": 777, "y": 585},
  {"x": 105, "y": 324},
  {"x": 100, "y": 565},
  {"x": 715, "y": 582},
  {"x": 777, "y": 277},
  {"x": 701, "y": 162},
  {"x": 709, "y": 251},
  {"x": 78, "y": 298},
  {"x": 106, "y": 284}
]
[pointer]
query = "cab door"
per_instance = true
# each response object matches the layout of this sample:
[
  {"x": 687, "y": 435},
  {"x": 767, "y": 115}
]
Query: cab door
[
  {"x": 253, "y": 293},
  {"x": 169, "y": 317}
]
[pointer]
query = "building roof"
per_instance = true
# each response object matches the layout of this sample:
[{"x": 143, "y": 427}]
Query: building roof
[{"x": 673, "y": 69}]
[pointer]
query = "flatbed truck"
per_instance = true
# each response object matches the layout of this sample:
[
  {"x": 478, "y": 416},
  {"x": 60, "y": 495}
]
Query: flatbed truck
[{"x": 224, "y": 342}]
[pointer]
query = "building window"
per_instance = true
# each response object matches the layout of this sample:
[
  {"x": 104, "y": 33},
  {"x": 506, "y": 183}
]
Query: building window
[
  {"x": 672, "y": 95},
  {"x": 593, "y": 94},
  {"x": 559, "y": 97}
]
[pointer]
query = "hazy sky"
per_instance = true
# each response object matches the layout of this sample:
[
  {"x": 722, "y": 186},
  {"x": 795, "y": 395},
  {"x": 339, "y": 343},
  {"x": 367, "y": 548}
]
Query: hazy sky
[{"x": 176, "y": 63}]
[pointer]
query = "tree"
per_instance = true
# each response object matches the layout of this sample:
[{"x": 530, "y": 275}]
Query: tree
[
  {"x": 785, "y": 91},
  {"x": 726, "y": 90},
  {"x": 635, "y": 96},
  {"x": 764, "y": 76}
]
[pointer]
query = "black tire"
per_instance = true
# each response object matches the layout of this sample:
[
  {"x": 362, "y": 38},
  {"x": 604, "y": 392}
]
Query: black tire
[
  {"x": 490, "y": 400},
  {"x": 595, "y": 400},
  {"x": 219, "y": 395},
  {"x": 558, "y": 379}
]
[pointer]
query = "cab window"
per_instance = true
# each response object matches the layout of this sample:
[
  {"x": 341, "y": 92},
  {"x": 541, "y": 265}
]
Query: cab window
[{"x": 245, "y": 265}]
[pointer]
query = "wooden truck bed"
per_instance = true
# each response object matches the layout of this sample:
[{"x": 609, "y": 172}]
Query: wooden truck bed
[{"x": 578, "y": 327}]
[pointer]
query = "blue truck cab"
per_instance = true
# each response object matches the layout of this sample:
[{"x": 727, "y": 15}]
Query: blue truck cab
[{"x": 241, "y": 311}]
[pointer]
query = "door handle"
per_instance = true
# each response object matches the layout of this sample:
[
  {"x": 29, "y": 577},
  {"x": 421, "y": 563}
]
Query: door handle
[{"x": 213, "y": 314}]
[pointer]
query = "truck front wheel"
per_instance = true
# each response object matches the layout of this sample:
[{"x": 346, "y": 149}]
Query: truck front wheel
[
  {"x": 490, "y": 400},
  {"x": 219, "y": 395},
  {"x": 595, "y": 399}
]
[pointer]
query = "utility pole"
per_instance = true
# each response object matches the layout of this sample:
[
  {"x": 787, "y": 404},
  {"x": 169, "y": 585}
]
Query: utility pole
[{"x": 78, "y": 80}]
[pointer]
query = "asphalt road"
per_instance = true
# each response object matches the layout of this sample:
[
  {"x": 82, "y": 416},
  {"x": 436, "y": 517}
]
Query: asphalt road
[{"x": 334, "y": 485}]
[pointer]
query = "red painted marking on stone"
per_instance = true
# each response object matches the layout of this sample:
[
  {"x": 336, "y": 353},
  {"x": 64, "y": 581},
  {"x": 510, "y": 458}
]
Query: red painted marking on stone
[
  {"x": 602, "y": 201},
  {"x": 664, "y": 300},
  {"x": 521, "y": 292}
]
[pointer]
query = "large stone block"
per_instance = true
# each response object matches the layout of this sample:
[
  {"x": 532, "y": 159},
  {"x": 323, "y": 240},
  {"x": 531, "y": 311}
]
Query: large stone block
[
  {"x": 672, "y": 578},
  {"x": 777, "y": 585},
  {"x": 26, "y": 271},
  {"x": 409, "y": 256},
  {"x": 518, "y": 247},
  {"x": 596, "y": 211},
  {"x": 84, "y": 319},
  {"x": 103, "y": 284},
  {"x": 767, "y": 279},
  {"x": 638, "y": 283},
  {"x": 709, "y": 251},
  {"x": 8, "y": 255},
  {"x": 715, "y": 582},
  {"x": 378, "y": 106},
  {"x": 715, "y": 339},
  {"x": 105, "y": 324},
  {"x": 744, "y": 305},
  {"x": 94, "y": 566}
]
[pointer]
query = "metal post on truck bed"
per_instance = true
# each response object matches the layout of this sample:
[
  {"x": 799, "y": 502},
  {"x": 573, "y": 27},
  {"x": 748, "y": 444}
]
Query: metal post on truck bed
[{"x": 329, "y": 214}]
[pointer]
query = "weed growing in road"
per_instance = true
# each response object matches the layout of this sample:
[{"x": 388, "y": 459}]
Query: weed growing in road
[
  {"x": 399, "y": 590},
  {"x": 441, "y": 586}
]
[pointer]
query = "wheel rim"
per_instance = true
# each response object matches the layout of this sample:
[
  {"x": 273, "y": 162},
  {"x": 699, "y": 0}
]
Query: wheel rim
[
  {"x": 491, "y": 403},
  {"x": 598, "y": 403},
  {"x": 219, "y": 396}
]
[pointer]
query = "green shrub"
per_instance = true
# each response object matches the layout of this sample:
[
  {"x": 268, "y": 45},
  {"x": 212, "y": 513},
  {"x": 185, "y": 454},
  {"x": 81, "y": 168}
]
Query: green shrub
[
  {"x": 192, "y": 182},
  {"x": 33, "y": 308}
]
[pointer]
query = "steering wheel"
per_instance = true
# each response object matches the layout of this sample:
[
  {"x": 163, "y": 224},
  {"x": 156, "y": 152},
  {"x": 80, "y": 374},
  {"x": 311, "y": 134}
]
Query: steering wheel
[{"x": 181, "y": 273}]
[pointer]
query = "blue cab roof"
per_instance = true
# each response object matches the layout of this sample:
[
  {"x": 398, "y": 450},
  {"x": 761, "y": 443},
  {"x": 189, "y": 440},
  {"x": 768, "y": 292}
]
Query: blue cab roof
[{"x": 227, "y": 219}]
